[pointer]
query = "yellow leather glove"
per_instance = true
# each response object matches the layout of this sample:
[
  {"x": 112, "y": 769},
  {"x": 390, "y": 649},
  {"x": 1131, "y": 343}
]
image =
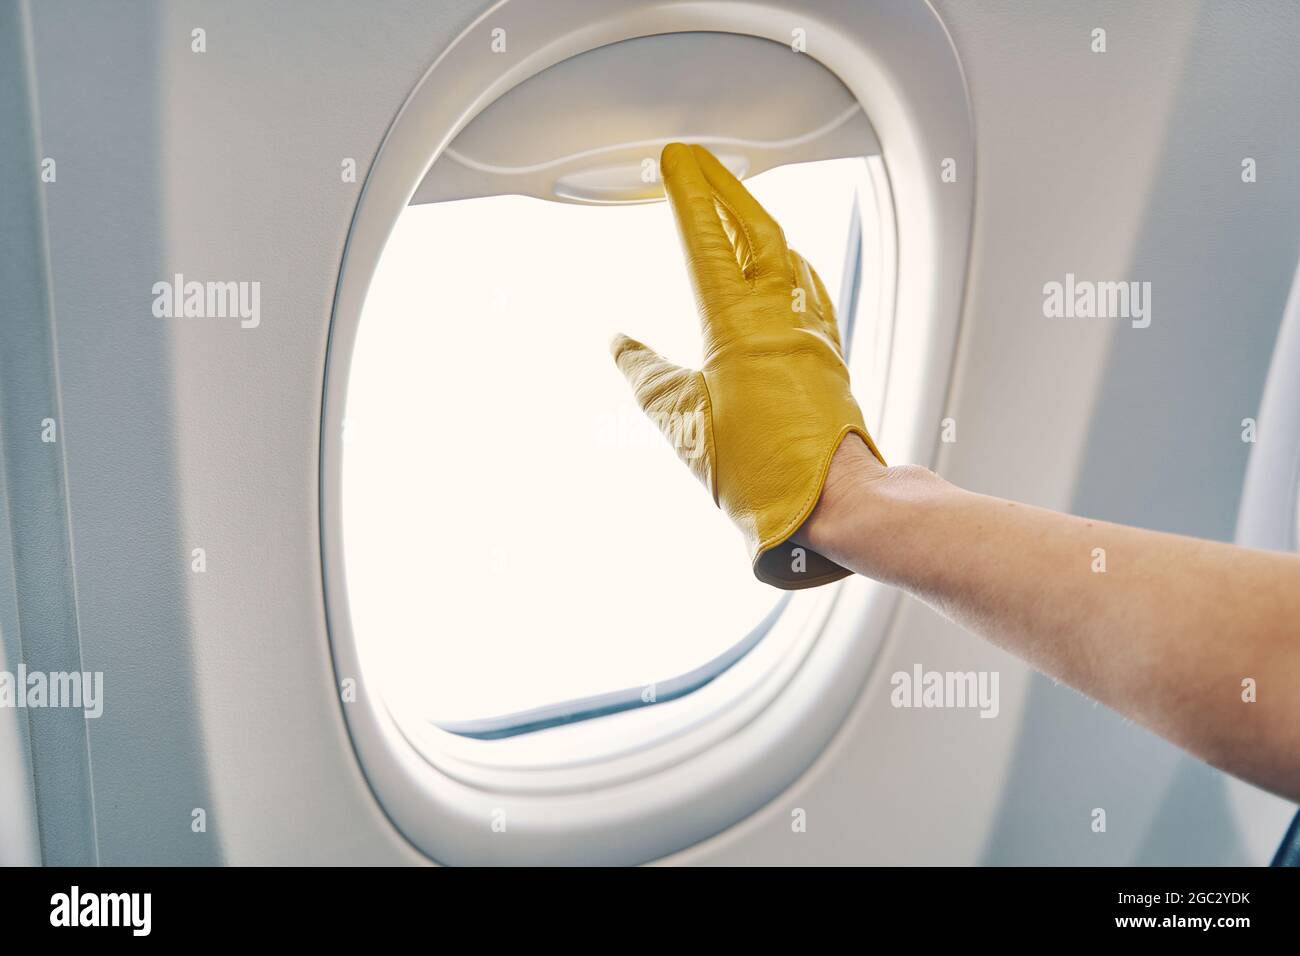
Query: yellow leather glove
[{"x": 772, "y": 400}]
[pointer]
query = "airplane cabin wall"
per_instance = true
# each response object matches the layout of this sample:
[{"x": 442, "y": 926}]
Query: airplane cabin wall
[{"x": 184, "y": 434}]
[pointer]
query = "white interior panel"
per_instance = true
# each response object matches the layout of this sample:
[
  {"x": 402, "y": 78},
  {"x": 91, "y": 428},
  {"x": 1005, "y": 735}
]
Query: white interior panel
[
  {"x": 591, "y": 127},
  {"x": 223, "y": 687}
]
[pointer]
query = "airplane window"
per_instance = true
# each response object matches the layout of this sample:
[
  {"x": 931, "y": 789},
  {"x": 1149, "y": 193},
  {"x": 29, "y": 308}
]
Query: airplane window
[{"x": 516, "y": 534}]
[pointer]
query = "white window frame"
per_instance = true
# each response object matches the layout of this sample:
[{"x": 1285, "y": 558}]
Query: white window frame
[{"x": 633, "y": 787}]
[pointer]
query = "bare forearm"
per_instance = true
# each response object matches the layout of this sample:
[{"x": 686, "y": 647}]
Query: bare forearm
[{"x": 1160, "y": 627}]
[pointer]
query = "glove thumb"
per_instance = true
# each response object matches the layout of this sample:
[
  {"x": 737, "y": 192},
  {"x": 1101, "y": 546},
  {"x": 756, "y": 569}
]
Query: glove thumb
[{"x": 676, "y": 399}]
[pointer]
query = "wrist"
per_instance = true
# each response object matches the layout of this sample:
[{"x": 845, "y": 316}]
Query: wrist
[
  {"x": 852, "y": 466},
  {"x": 859, "y": 495}
]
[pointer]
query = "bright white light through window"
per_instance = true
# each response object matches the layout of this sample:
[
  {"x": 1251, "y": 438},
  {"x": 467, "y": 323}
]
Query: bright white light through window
[{"x": 515, "y": 532}]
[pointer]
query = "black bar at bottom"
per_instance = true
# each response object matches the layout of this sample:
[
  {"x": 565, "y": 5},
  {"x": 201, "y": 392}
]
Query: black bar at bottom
[{"x": 467, "y": 908}]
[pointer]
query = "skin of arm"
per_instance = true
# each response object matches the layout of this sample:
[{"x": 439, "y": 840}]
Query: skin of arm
[{"x": 1166, "y": 635}]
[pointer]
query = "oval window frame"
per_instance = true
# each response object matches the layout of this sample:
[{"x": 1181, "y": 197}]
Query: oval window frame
[{"x": 636, "y": 806}]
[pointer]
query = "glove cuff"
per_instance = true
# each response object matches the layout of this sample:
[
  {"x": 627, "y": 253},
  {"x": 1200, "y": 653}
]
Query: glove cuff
[{"x": 791, "y": 567}]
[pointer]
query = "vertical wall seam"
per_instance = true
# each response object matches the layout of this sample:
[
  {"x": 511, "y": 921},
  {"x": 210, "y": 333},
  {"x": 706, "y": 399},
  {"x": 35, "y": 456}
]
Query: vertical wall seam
[
  {"x": 38, "y": 140},
  {"x": 49, "y": 635}
]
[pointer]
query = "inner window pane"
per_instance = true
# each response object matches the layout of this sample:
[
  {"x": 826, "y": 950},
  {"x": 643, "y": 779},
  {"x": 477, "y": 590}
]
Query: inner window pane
[{"x": 516, "y": 533}]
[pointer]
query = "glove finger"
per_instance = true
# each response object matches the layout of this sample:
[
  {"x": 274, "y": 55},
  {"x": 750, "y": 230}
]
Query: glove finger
[
  {"x": 819, "y": 300},
  {"x": 710, "y": 255},
  {"x": 759, "y": 239}
]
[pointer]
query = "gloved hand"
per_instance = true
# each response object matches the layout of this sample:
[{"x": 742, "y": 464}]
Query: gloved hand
[{"x": 772, "y": 400}]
